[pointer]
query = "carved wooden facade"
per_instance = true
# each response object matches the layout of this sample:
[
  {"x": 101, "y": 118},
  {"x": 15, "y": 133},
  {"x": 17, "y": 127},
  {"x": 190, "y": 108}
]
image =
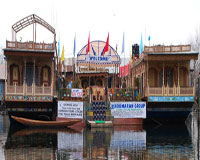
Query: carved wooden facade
[{"x": 164, "y": 71}]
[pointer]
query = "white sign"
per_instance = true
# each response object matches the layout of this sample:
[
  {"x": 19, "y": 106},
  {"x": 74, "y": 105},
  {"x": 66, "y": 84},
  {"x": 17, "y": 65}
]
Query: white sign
[
  {"x": 77, "y": 93},
  {"x": 69, "y": 109},
  {"x": 128, "y": 109}
]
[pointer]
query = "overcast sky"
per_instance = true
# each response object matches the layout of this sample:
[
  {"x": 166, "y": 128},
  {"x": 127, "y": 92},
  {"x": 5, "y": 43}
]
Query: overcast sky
[{"x": 166, "y": 21}]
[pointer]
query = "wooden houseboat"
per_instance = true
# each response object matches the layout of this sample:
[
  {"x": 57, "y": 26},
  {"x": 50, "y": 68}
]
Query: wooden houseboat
[
  {"x": 29, "y": 86},
  {"x": 163, "y": 76}
]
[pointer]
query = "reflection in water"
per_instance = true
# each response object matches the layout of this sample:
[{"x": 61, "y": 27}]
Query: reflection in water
[
  {"x": 169, "y": 142},
  {"x": 164, "y": 142}
]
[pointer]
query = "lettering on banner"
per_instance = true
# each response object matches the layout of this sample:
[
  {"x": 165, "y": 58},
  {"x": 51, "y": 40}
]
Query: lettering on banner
[
  {"x": 68, "y": 109},
  {"x": 128, "y": 109}
]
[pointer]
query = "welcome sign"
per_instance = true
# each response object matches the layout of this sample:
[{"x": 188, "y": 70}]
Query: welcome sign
[{"x": 128, "y": 109}]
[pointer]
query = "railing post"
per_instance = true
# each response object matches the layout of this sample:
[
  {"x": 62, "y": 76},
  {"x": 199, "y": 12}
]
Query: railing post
[
  {"x": 15, "y": 88},
  {"x": 43, "y": 89},
  {"x": 51, "y": 88},
  {"x": 33, "y": 89}
]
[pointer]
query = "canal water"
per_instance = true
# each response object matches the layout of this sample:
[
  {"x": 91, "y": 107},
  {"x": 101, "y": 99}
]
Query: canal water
[{"x": 167, "y": 142}]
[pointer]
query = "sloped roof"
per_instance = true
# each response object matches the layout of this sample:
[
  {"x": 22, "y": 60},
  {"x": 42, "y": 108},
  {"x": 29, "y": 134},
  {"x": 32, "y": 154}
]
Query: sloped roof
[{"x": 2, "y": 71}]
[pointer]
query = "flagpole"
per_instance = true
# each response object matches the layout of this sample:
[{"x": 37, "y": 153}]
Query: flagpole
[{"x": 124, "y": 66}]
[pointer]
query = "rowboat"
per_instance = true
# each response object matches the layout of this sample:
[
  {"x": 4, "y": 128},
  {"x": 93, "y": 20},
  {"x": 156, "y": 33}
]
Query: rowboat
[{"x": 38, "y": 123}]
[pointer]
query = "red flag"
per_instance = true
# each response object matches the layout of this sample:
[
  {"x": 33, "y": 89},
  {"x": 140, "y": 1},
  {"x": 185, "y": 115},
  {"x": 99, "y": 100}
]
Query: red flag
[
  {"x": 88, "y": 46},
  {"x": 106, "y": 46}
]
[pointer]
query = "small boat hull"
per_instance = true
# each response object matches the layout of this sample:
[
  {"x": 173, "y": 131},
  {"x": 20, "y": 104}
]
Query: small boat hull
[{"x": 38, "y": 123}]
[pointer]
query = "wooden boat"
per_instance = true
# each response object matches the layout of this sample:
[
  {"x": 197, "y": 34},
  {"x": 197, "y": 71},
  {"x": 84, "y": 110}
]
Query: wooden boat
[{"x": 38, "y": 123}]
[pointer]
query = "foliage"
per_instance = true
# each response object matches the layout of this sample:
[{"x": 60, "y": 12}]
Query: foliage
[{"x": 194, "y": 40}]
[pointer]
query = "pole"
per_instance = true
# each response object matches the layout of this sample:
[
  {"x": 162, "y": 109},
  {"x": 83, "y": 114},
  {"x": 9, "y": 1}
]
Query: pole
[{"x": 124, "y": 71}]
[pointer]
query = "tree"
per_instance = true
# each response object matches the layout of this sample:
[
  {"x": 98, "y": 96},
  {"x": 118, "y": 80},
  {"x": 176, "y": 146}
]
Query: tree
[{"x": 195, "y": 40}]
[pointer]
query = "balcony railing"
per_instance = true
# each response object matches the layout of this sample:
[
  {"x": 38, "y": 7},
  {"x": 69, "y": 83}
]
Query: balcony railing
[
  {"x": 167, "y": 49},
  {"x": 29, "y": 45},
  {"x": 33, "y": 90},
  {"x": 171, "y": 91}
]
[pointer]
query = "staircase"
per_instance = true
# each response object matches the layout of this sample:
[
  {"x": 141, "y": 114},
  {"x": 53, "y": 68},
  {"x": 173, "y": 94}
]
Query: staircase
[{"x": 99, "y": 110}]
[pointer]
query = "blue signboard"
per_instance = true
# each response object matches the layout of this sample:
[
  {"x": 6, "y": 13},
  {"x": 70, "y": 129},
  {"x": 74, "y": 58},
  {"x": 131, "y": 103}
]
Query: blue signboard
[{"x": 171, "y": 99}]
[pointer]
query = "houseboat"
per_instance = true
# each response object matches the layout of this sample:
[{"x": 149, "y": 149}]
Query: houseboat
[
  {"x": 164, "y": 77},
  {"x": 30, "y": 66},
  {"x": 104, "y": 103}
]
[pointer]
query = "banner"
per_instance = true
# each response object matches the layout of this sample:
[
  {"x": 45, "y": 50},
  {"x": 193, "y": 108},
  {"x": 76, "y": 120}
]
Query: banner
[
  {"x": 77, "y": 93},
  {"x": 128, "y": 109},
  {"x": 69, "y": 109}
]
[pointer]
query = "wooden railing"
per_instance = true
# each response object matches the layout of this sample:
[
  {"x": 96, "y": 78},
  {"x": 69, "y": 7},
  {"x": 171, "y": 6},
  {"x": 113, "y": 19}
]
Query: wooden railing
[
  {"x": 171, "y": 91},
  {"x": 25, "y": 90},
  {"x": 167, "y": 49},
  {"x": 29, "y": 45}
]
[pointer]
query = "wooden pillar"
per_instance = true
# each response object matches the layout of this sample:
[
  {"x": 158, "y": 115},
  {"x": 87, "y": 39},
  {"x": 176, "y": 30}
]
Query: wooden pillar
[
  {"x": 24, "y": 71},
  {"x": 33, "y": 84},
  {"x": 34, "y": 71},
  {"x": 39, "y": 69},
  {"x": 8, "y": 72},
  {"x": 178, "y": 75},
  {"x": 52, "y": 77},
  {"x": 163, "y": 74},
  {"x": 24, "y": 85},
  {"x": 20, "y": 73}
]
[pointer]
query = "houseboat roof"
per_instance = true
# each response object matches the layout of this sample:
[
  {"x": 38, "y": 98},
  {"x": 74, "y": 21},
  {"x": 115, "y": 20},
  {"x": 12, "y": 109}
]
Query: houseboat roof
[
  {"x": 27, "y": 50},
  {"x": 173, "y": 53}
]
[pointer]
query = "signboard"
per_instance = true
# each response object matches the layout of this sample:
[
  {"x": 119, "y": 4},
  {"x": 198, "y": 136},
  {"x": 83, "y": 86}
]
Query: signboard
[
  {"x": 70, "y": 109},
  {"x": 128, "y": 109},
  {"x": 98, "y": 58},
  {"x": 171, "y": 99},
  {"x": 77, "y": 93}
]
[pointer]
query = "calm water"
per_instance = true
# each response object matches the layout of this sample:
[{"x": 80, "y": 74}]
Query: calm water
[{"x": 151, "y": 142}]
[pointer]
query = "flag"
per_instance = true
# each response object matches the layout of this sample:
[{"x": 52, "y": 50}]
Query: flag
[
  {"x": 88, "y": 46},
  {"x": 63, "y": 56},
  {"x": 149, "y": 38},
  {"x": 59, "y": 46},
  {"x": 123, "y": 45},
  {"x": 106, "y": 46},
  {"x": 74, "y": 51},
  {"x": 141, "y": 45}
]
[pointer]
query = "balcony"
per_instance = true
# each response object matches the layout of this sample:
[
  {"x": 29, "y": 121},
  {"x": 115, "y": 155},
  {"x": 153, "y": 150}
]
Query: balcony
[
  {"x": 167, "y": 49},
  {"x": 171, "y": 91},
  {"x": 30, "y": 45},
  {"x": 25, "y": 90}
]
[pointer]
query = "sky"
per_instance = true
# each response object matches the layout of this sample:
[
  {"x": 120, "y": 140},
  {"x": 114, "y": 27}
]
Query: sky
[{"x": 166, "y": 21}]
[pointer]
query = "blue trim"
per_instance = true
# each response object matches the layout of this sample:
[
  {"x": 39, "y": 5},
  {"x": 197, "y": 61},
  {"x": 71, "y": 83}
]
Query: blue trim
[{"x": 171, "y": 99}]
